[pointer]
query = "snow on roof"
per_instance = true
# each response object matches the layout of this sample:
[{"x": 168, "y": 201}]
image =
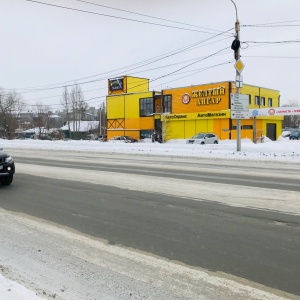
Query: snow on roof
[{"x": 83, "y": 126}]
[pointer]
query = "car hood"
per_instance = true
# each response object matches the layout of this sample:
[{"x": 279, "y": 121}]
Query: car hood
[{"x": 3, "y": 154}]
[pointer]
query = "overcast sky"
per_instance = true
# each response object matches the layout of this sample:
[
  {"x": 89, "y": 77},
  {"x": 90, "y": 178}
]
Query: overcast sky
[{"x": 45, "y": 47}]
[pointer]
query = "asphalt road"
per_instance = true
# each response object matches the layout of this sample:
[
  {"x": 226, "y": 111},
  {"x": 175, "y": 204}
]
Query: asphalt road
[{"x": 259, "y": 245}]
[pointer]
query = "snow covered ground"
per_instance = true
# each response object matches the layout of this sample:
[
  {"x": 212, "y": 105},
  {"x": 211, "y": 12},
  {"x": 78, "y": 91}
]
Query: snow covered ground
[{"x": 282, "y": 150}]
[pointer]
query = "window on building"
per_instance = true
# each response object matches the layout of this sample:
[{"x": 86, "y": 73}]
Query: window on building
[
  {"x": 146, "y": 107},
  {"x": 146, "y": 134},
  {"x": 263, "y": 101},
  {"x": 249, "y": 99},
  {"x": 247, "y": 127},
  {"x": 270, "y": 102},
  {"x": 256, "y": 100},
  {"x": 167, "y": 104}
]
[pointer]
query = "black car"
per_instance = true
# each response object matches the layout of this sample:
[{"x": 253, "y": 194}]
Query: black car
[
  {"x": 124, "y": 138},
  {"x": 7, "y": 168},
  {"x": 295, "y": 135}
]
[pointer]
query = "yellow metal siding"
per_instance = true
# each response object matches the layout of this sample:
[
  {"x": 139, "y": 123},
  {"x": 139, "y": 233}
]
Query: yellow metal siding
[
  {"x": 123, "y": 115},
  {"x": 115, "y": 107},
  {"x": 136, "y": 85},
  {"x": 190, "y": 128},
  {"x": 261, "y": 92}
]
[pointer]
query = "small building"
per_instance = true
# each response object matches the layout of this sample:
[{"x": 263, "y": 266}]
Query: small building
[
  {"x": 80, "y": 129},
  {"x": 181, "y": 112}
]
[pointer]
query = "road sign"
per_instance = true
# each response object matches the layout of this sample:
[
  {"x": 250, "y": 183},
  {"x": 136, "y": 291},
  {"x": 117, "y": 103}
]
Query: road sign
[
  {"x": 239, "y": 81},
  {"x": 239, "y": 101},
  {"x": 239, "y": 108},
  {"x": 240, "y": 114},
  {"x": 239, "y": 66}
]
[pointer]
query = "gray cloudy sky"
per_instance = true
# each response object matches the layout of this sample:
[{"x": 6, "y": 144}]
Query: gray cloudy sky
[{"x": 45, "y": 47}]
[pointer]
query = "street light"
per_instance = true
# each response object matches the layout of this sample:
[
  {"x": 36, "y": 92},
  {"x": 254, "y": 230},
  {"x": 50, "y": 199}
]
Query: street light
[{"x": 236, "y": 47}]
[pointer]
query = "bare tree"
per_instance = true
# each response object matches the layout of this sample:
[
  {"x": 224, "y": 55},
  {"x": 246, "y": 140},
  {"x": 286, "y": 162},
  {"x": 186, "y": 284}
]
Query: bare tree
[
  {"x": 41, "y": 119},
  {"x": 292, "y": 121},
  {"x": 78, "y": 108},
  {"x": 65, "y": 101},
  {"x": 10, "y": 103}
]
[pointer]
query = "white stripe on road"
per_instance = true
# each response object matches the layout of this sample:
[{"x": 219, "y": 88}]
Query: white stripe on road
[{"x": 233, "y": 195}]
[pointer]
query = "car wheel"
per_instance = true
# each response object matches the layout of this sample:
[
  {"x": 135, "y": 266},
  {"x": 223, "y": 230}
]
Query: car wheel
[
  {"x": 215, "y": 142},
  {"x": 6, "y": 180},
  {"x": 202, "y": 143}
]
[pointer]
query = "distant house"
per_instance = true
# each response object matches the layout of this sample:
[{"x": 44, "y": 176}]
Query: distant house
[
  {"x": 80, "y": 130},
  {"x": 42, "y": 133}
]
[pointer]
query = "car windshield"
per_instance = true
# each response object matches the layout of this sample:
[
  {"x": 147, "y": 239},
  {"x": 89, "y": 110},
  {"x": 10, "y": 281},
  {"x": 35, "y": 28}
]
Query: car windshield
[{"x": 199, "y": 136}]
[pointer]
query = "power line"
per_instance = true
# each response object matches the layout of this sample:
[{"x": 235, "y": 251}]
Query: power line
[
  {"x": 274, "y": 42},
  {"x": 272, "y": 24},
  {"x": 116, "y": 17},
  {"x": 131, "y": 67},
  {"x": 144, "y": 15},
  {"x": 268, "y": 56},
  {"x": 175, "y": 72},
  {"x": 102, "y": 88}
]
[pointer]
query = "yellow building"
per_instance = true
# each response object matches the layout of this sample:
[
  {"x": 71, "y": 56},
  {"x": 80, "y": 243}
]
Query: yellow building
[{"x": 182, "y": 112}]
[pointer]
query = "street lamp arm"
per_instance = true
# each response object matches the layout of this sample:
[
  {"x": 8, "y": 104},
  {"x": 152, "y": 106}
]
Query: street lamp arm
[{"x": 235, "y": 11}]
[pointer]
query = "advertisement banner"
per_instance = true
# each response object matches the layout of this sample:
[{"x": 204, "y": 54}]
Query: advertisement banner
[
  {"x": 274, "y": 111},
  {"x": 116, "y": 84}
]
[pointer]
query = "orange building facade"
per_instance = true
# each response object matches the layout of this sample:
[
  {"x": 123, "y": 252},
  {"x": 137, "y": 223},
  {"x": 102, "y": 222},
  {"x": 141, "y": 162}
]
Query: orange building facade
[{"x": 179, "y": 113}]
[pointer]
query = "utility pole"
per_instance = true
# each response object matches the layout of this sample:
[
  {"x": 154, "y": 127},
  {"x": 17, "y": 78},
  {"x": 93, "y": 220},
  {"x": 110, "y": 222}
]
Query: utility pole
[{"x": 236, "y": 47}]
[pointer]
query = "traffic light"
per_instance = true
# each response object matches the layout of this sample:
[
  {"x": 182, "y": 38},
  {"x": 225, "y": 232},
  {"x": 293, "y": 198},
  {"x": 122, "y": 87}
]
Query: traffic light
[{"x": 235, "y": 46}]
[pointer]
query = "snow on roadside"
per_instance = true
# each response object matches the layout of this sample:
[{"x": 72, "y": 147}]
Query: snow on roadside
[
  {"x": 11, "y": 290},
  {"x": 281, "y": 150}
]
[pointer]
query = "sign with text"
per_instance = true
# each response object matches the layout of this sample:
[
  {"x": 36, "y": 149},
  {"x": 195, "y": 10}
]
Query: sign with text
[
  {"x": 275, "y": 111},
  {"x": 239, "y": 106}
]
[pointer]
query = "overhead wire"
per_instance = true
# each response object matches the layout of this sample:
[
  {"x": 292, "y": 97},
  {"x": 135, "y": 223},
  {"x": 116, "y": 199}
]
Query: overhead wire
[
  {"x": 116, "y": 17},
  {"x": 125, "y": 69},
  {"x": 177, "y": 73},
  {"x": 145, "y": 15}
]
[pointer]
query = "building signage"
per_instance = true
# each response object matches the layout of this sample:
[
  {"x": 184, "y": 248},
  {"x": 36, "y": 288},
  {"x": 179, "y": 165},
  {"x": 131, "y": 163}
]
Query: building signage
[
  {"x": 116, "y": 84},
  {"x": 222, "y": 114},
  {"x": 208, "y": 96},
  {"x": 185, "y": 98},
  {"x": 275, "y": 111}
]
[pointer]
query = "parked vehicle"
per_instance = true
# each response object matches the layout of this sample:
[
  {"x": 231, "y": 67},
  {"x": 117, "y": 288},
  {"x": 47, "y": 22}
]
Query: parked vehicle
[
  {"x": 124, "y": 138},
  {"x": 7, "y": 168},
  {"x": 203, "y": 138},
  {"x": 295, "y": 135}
]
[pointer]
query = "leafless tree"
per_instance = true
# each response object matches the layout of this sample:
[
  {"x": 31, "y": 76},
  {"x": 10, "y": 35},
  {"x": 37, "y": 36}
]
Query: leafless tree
[
  {"x": 41, "y": 119},
  {"x": 78, "y": 107},
  {"x": 10, "y": 104},
  {"x": 65, "y": 101},
  {"x": 292, "y": 121}
]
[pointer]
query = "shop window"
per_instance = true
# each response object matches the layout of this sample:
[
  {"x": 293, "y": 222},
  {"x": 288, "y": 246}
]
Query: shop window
[
  {"x": 247, "y": 127},
  {"x": 270, "y": 102},
  {"x": 167, "y": 104},
  {"x": 146, "y": 107},
  {"x": 263, "y": 101},
  {"x": 256, "y": 100},
  {"x": 146, "y": 134}
]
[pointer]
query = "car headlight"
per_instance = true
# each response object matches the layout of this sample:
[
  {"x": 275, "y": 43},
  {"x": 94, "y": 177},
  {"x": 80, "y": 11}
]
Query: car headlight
[{"x": 8, "y": 159}]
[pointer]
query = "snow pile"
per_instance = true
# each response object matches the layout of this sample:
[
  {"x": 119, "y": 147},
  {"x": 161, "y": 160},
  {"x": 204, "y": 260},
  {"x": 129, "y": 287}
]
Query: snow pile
[{"x": 283, "y": 149}]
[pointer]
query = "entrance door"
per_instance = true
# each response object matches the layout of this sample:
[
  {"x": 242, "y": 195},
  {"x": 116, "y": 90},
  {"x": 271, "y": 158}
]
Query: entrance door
[{"x": 271, "y": 131}]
